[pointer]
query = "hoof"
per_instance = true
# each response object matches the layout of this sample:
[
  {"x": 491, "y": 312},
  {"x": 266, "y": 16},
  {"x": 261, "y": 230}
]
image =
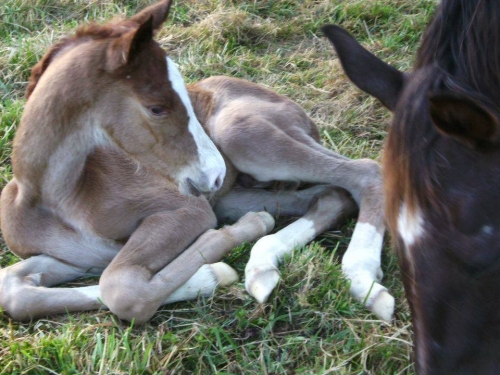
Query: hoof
[
  {"x": 383, "y": 306},
  {"x": 268, "y": 220},
  {"x": 224, "y": 274},
  {"x": 261, "y": 281},
  {"x": 264, "y": 217}
]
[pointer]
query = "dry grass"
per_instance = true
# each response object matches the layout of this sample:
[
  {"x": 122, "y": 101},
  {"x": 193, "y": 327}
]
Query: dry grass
[{"x": 311, "y": 325}]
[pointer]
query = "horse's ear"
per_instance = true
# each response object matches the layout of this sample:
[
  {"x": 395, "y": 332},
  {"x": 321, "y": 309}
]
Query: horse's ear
[
  {"x": 123, "y": 50},
  {"x": 463, "y": 117},
  {"x": 366, "y": 71},
  {"x": 158, "y": 11}
]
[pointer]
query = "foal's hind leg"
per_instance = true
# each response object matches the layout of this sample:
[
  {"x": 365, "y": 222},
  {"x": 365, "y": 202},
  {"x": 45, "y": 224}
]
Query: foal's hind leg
[
  {"x": 327, "y": 210},
  {"x": 25, "y": 291},
  {"x": 290, "y": 155},
  {"x": 321, "y": 207},
  {"x": 240, "y": 201}
]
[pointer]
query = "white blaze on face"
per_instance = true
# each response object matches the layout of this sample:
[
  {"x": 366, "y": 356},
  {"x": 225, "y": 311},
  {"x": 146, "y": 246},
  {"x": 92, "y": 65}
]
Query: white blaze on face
[{"x": 209, "y": 170}]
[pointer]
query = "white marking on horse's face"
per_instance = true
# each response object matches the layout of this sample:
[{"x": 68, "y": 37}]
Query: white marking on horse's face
[
  {"x": 208, "y": 172},
  {"x": 410, "y": 226},
  {"x": 487, "y": 229}
]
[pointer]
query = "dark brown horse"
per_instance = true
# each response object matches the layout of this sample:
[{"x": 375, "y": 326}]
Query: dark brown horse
[{"x": 442, "y": 181}]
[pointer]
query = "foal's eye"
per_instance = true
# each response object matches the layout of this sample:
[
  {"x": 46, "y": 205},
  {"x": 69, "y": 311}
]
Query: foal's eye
[{"x": 158, "y": 110}]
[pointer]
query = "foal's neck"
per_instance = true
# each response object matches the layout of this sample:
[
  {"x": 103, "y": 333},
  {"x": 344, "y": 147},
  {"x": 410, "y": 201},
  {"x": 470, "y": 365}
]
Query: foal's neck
[{"x": 51, "y": 148}]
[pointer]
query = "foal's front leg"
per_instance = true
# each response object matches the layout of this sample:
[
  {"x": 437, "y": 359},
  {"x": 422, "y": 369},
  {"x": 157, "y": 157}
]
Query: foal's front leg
[{"x": 157, "y": 260}]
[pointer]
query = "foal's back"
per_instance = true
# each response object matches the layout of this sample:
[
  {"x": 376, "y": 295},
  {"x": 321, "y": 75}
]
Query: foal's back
[{"x": 236, "y": 101}]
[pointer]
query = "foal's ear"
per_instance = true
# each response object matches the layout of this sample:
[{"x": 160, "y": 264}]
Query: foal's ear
[
  {"x": 463, "y": 117},
  {"x": 366, "y": 71},
  {"x": 123, "y": 50},
  {"x": 158, "y": 11}
]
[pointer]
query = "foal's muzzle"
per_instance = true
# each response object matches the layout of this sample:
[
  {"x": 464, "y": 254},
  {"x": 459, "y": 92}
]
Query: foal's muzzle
[{"x": 207, "y": 183}]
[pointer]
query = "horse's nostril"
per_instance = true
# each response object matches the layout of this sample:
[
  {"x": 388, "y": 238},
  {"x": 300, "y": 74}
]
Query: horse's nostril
[
  {"x": 218, "y": 182},
  {"x": 193, "y": 188}
]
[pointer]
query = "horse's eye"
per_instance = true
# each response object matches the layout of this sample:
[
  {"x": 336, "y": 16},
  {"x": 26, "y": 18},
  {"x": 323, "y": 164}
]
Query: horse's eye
[{"x": 158, "y": 110}]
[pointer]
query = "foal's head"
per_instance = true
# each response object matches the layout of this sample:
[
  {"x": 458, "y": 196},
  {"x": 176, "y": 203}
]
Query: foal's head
[
  {"x": 115, "y": 82},
  {"x": 442, "y": 178}
]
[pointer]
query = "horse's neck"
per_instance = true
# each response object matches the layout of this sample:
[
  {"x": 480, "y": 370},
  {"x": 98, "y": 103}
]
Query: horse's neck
[{"x": 49, "y": 155}]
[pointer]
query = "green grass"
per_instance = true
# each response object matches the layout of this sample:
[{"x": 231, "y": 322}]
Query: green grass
[{"x": 311, "y": 325}]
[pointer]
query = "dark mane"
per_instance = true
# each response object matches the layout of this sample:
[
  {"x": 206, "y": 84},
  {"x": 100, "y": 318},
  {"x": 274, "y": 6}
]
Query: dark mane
[
  {"x": 85, "y": 32},
  {"x": 460, "y": 52},
  {"x": 464, "y": 41}
]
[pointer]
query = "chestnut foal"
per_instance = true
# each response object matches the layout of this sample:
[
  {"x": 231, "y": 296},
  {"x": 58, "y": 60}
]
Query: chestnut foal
[
  {"x": 442, "y": 185},
  {"x": 112, "y": 170}
]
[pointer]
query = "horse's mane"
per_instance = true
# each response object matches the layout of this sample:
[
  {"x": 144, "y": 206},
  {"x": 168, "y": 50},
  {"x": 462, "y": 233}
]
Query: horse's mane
[
  {"x": 84, "y": 32},
  {"x": 460, "y": 51},
  {"x": 464, "y": 41}
]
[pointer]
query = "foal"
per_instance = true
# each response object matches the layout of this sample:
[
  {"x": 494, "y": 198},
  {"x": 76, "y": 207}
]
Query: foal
[
  {"x": 112, "y": 168},
  {"x": 442, "y": 178}
]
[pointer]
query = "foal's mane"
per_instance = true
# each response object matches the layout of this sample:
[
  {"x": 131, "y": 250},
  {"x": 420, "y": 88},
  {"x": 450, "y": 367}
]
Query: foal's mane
[
  {"x": 460, "y": 51},
  {"x": 84, "y": 32}
]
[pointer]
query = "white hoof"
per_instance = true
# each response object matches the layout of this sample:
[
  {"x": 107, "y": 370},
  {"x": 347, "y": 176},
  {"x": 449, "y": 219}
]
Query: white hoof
[
  {"x": 265, "y": 217},
  {"x": 383, "y": 306},
  {"x": 260, "y": 281},
  {"x": 224, "y": 274}
]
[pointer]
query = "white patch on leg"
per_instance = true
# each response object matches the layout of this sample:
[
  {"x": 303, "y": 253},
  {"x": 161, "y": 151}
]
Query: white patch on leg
[
  {"x": 364, "y": 250},
  {"x": 91, "y": 292},
  {"x": 361, "y": 265},
  {"x": 383, "y": 306},
  {"x": 210, "y": 169},
  {"x": 204, "y": 282},
  {"x": 224, "y": 274},
  {"x": 261, "y": 272}
]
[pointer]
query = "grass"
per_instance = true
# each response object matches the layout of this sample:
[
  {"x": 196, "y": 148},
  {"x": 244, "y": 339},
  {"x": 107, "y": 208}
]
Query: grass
[{"x": 310, "y": 325}]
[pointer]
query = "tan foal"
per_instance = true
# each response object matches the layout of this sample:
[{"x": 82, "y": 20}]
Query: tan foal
[{"x": 115, "y": 158}]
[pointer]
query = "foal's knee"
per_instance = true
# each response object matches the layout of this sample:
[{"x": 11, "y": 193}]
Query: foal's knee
[
  {"x": 14, "y": 307},
  {"x": 14, "y": 297},
  {"x": 126, "y": 295},
  {"x": 369, "y": 180},
  {"x": 371, "y": 171}
]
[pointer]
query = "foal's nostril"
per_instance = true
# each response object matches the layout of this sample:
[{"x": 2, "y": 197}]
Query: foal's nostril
[
  {"x": 206, "y": 183},
  {"x": 218, "y": 182},
  {"x": 215, "y": 179},
  {"x": 193, "y": 188}
]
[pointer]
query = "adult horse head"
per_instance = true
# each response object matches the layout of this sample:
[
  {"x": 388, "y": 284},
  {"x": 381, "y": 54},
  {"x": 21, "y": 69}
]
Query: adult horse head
[{"x": 442, "y": 180}]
